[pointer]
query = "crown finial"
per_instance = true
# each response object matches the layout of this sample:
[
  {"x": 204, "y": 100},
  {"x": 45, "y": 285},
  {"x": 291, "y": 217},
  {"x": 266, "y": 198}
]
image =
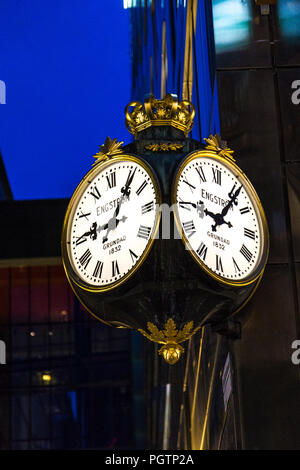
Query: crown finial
[{"x": 164, "y": 112}]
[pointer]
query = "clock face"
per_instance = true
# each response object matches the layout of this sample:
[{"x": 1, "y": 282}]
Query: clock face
[
  {"x": 112, "y": 222},
  {"x": 221, "y": 218}
]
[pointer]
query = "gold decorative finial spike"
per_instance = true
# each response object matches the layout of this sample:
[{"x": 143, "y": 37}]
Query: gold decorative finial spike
[
  {"x": 165, "y": 112},
  {"x": 109, "y": 149},
  {"x": 216, "y": 144},
  {"x": 170, "y": 337}
]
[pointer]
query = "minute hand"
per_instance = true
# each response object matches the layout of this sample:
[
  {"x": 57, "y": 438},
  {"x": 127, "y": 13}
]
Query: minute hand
[
  {"x": 231, "y": 201},
  {"x": 113, "y": 221}
]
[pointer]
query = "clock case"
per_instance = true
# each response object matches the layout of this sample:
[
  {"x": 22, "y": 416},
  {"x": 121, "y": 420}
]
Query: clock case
[{"x": 169, "y": 283}]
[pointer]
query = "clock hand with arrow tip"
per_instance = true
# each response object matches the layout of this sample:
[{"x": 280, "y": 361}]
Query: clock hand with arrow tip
[
  {"x": 92, "y": 233},
  {"x": 113, "y": 221},
  {"x": 219, "y": 218},
  {"x": 199, "y": 206}
]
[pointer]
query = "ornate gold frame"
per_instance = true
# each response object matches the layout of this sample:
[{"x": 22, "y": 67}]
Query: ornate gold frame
[
  {"x": 69, "y": 270},
  {"x": 264, "y": 251}
]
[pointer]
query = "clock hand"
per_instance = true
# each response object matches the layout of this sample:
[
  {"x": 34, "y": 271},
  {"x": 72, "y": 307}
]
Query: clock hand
[
  {"x": 190, "y": 203},
  {"x": 126, "y": 189},
  {"x": 111, "y": 225},
  {"x": 113, "y": 221},
  {"x": 92, "y": 233},
  {"x": 199, "y": 206},
  {"x": 218, "y": 218},
  {"x": 233, "y": 200}
]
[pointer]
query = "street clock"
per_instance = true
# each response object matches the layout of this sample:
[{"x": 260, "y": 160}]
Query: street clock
[{"x": 116, "y": 256}]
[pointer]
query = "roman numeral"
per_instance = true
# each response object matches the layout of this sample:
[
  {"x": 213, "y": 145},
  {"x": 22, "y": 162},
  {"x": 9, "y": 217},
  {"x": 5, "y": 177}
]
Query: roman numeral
[
  {"x": 98, "y": 269},
  {"x": 111, "y": 180},
  {"x": 249, "y": 233},
  {"x": 246, "y": 253},
  {"x": 84, "y": 215},
  {"x": 189, "y": 228},
  {"x": 80, "y": 240},
  {"x": 202, "y": 251},
  {"x": 133, "y": 255},
  {"x": 147, "y": 207},
  {"x": 216, "y": 176},
  {"x": 201, "y": 174},
  {"x": 189, "y": 184},
  {"x": 244, "y": 210},
  {"x": 184, "y": 205},
  {"x": 95, "y": 193},
  {"x": 144, "y": 232},
  {"x": 236, "y": 266},
  {"x": 143, "y": 185},
  {"x": 219, "y": 266},
  {"x": 114, "y": 268},
  {"x": 85, "y": 258},
  {"x": 129, "y": 175}
]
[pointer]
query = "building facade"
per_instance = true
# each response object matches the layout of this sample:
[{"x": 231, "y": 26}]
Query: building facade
[{"x": 239, "y": 385}]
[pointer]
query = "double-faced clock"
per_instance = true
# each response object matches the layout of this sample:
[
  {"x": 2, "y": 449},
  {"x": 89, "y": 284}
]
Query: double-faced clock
[
  {"x": 221, "y": 219},
  {"x": 126, "y": 267},
  {"x": 111, "y": 222}
]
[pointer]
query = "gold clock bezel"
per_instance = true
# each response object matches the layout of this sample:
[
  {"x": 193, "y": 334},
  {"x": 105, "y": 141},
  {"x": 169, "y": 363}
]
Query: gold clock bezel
[
  {"x": 264, "y": 248},
  {"x": 98, "y": 168}
]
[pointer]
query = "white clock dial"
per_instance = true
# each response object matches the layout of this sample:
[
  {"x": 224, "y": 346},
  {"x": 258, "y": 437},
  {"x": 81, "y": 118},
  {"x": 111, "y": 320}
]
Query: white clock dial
[
  {"x": 219, "y": 214},
  {"x": 113, "y": 221}
]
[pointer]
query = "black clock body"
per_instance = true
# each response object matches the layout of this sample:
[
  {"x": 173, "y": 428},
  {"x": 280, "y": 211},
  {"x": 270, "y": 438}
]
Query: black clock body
[{"x": 169, "y": 283}]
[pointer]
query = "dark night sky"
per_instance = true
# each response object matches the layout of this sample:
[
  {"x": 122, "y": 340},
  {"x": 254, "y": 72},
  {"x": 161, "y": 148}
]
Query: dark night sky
[{"x": 66, "y": 67}]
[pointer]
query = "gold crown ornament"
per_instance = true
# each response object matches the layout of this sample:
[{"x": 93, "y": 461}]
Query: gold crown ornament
[
  {"x": 164, "y": 112},
  {"x": 170, "y": 337}
]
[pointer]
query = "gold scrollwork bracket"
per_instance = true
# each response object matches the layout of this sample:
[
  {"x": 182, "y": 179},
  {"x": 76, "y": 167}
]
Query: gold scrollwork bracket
[
  {"x": 164, "y": 147},
  {"x": 216, "y": 144},
  {"x": 170, "y": 338},
  {"x": 109, "y": 149}
]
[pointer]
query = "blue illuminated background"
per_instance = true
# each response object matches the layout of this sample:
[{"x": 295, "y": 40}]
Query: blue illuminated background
[{"x": 66, "y": 67}]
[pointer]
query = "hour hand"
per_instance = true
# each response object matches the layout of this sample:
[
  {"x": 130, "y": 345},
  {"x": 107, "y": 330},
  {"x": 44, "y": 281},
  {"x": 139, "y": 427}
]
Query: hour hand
[
  {"x": 218, "y": 218},
  {"x": 102, "y": 227},
  {"x": 211, "y": 214},
  {"x": 111, "y": 225},
  {"x": 92, "y": 233},
  {"x": 199, "y": 206}
]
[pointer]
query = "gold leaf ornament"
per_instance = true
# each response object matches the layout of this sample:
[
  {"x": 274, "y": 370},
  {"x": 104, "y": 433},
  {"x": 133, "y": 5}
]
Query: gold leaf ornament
[
  {"x": 170, "y": 330},
  {"x": 164, "y": 146},
  {"x": 109, "y": 149},
  {"x": 216, "y": 144},
  {"x": 170, "y": 337},
  {"x": 155, "y": 332}
]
